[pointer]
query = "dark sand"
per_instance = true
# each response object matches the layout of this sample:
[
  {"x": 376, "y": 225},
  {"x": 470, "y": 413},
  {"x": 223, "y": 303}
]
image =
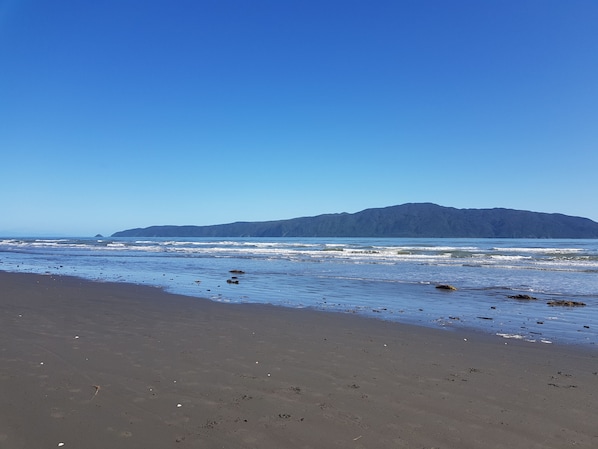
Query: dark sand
[{"x": 98, "y": 365}]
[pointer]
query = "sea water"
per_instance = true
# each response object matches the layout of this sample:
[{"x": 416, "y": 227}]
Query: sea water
[{"x": 390, "y": 279}]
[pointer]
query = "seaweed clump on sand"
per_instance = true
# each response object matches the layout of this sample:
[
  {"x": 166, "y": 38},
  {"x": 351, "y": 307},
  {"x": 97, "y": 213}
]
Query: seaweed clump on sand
[{"x": 564, "y": 303}]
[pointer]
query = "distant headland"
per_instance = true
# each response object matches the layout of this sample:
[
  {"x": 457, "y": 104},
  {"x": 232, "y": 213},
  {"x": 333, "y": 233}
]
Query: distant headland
[{"x": 405, "y": 220}]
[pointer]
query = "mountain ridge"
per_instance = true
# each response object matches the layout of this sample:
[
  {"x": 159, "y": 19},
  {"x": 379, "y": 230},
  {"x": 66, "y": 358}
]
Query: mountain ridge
[{"x": 406, "y": 220}]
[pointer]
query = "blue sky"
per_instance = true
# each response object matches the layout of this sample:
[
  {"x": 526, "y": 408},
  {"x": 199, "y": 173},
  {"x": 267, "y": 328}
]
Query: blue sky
[{"x": 117, "y": 114}]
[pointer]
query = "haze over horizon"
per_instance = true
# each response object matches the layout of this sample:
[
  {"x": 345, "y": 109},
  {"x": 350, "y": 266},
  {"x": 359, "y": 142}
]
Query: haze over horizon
[{"x": 125, "y": 114}]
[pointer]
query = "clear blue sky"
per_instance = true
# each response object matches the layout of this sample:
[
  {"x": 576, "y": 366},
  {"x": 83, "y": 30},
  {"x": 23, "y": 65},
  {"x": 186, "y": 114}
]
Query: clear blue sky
[{"x": 117, "y": 113}]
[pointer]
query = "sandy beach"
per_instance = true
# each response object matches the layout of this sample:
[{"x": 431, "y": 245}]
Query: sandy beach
[{"x": 97, "y": 365}]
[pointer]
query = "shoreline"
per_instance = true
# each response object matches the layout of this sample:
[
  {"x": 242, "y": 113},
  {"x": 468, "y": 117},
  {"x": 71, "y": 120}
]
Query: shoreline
[
  {"x": 178, "y": 371},
  {"x": 448, "y": 323},
  {"x": 391, "y": 280}
]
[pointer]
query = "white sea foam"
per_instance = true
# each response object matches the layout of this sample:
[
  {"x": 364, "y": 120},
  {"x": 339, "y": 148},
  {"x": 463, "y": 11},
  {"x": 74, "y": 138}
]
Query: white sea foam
[
  {"x": 358, "y": 252},
  {"x": 511, "y": 336},
  {"x": 539, "y": 250},
  {"x": 437, "y": 248},
  {"x": 507, "y": 258}
]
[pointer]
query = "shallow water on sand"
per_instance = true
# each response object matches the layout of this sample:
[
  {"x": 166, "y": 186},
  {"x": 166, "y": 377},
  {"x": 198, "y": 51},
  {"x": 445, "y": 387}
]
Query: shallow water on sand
[{"x": 392, "y": 279}]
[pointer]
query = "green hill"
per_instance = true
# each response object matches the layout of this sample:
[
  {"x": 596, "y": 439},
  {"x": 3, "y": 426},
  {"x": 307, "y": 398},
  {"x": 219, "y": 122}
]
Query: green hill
[{"x": 406, "y": 220}]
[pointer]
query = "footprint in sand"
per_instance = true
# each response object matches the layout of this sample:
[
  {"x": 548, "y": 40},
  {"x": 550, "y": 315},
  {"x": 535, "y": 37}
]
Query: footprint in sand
[
  {"x": 122, "y": 433},
  {"x": 57, "y": 413}
]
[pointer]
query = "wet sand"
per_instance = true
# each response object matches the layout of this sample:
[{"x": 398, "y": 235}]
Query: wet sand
[{"x": 101, "y": 365}]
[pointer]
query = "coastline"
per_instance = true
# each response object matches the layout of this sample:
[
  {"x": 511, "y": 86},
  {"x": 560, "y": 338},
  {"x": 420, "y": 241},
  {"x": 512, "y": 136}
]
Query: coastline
[
  {"x": 390, "y": 279},
  {"x": 93, "y": 364}
]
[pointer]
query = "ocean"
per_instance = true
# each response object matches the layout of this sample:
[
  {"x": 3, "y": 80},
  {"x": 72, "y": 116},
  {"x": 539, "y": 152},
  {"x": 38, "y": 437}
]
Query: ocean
[{"x": 388, "y": 279}]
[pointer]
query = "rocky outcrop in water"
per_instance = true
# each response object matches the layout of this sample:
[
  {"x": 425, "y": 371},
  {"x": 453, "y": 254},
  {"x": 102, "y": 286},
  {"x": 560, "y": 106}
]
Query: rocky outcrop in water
[
  {"x": 523, "y": 297},
  {"x": 564, "y": 303},
  {"x": 446, "y": 287}
]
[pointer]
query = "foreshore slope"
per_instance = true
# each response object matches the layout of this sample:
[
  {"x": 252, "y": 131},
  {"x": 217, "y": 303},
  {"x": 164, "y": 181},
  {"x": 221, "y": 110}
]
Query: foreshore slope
[{"x": 98, "y": 365}]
